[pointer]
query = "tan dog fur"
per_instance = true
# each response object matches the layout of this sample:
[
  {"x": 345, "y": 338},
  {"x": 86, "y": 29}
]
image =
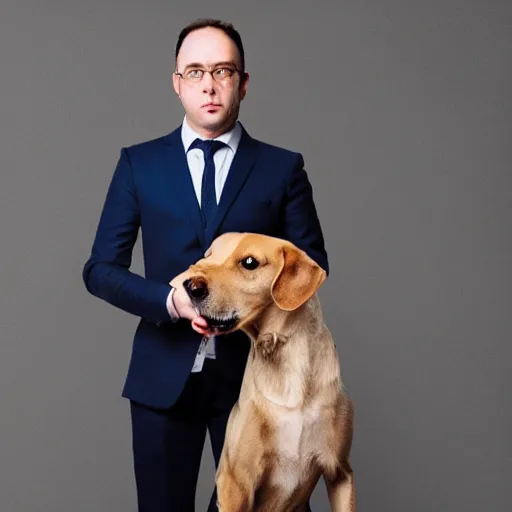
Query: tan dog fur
[{"x": 293, "y": 421}]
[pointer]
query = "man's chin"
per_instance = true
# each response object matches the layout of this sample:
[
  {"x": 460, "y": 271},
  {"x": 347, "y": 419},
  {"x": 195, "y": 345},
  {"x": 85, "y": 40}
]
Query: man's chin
[{"x": 215, "y": 122}]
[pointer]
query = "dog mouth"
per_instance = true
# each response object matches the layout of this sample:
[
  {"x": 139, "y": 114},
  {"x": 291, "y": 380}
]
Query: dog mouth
[{"x": 221, "y": 324}]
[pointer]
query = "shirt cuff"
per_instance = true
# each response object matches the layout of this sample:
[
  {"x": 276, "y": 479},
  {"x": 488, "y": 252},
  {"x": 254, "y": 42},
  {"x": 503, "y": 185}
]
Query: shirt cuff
[{"x": 170, "y": 306}]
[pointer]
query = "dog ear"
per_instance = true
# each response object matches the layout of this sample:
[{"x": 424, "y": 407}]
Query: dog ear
[{"x": 298, "y": 278}]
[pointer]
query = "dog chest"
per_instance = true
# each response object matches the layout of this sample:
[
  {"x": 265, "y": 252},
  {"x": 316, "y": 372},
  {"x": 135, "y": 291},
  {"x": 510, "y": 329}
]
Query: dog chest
[
  {"x": 289, "y": 433},
  {"x": 293, "y": 429}
]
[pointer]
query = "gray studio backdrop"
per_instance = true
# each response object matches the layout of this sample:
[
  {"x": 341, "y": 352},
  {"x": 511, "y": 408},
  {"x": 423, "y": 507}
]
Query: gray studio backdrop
[{"x": 402, "y": 111}]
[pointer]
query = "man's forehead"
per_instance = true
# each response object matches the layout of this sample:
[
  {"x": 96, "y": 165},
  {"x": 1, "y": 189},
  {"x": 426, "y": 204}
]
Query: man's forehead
[{"x": 207, "y": 46}]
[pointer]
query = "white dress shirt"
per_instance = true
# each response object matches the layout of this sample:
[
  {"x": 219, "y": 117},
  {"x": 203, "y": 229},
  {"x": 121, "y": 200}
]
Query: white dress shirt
[{"x": 222, "y": 160}]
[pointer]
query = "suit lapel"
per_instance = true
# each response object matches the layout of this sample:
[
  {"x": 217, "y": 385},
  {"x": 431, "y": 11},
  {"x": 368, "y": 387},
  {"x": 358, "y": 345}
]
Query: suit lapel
[
  {"x": 181, "y": 181},
  {"x": 241, "y": 166}
]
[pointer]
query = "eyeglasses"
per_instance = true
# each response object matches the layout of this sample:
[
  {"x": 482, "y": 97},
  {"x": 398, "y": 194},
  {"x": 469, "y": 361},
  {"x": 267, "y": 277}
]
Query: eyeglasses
[{"x": 220, "y": 75}]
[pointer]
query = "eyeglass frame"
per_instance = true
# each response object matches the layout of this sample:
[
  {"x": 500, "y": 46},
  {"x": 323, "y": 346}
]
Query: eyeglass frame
[{"x": 211, "y": 71}]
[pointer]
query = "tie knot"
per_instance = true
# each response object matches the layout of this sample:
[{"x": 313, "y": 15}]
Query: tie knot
[{"x": 208, "y": 146}]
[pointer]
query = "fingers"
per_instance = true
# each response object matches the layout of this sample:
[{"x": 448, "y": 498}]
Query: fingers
[
  {"x": 199, "y": 322},
  {"x": 183, "y": 304},
  {"x": 200, "y": 325},
  {"x": 186, "y": 310}
]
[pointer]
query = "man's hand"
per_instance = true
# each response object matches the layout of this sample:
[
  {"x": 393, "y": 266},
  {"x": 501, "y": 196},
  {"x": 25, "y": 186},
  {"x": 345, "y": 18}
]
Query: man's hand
[{"x": 182, "y": 306}]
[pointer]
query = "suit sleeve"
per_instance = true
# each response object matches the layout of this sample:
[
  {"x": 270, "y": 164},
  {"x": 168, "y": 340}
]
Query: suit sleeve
[
  {"x": 106, "y": 273},
  {"x": 301, "y": 222}
]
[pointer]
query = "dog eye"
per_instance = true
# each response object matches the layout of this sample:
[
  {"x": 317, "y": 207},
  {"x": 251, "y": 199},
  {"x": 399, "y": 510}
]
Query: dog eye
[{"x": 250, "y": 263}]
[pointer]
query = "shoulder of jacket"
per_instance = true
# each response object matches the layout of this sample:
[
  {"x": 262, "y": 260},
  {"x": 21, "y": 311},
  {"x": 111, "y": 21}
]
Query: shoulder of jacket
[
  {"x": 278, "y": 153},
  {"x": 146, "y": 145}
]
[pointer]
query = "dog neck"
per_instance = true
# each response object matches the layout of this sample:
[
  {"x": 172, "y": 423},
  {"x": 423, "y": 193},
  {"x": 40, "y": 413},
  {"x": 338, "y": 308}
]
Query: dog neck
[
  {"x": 280, "y": 357},
  {"x": 284, "y": 323}
]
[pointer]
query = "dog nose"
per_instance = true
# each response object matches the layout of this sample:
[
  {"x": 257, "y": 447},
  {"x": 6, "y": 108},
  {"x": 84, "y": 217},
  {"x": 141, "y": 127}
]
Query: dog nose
[{"x": 197, "y": 288}]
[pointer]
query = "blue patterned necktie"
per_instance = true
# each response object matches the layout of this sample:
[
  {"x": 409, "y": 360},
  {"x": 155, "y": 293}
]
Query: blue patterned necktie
[{"x": 208, "y": 196}]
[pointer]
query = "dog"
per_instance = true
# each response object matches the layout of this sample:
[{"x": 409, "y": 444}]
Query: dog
[{"x": 293, "y": 422}]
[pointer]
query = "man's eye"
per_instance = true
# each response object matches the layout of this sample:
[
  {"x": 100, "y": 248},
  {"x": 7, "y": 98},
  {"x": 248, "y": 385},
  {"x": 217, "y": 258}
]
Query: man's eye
[
  {"x": 224, "y": 72},
  {"x": 194, "y": 73},
  {"x": 250, "y": 263}
]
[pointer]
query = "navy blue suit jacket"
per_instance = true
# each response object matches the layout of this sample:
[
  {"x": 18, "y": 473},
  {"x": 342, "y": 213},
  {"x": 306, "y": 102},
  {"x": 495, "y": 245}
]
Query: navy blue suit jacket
[{"x": 267, "y": 191}]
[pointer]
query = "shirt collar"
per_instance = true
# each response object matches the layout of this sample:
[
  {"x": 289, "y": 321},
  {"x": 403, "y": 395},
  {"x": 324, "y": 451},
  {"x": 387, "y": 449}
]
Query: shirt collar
[{"x": 231, "y": 138}]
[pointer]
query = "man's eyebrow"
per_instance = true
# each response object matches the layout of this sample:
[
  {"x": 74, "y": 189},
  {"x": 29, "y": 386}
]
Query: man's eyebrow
[{"x": 216, "y": 65}]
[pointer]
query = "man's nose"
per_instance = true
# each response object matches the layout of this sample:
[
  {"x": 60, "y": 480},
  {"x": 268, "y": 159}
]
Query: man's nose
[
  {"x": 208, "y": 83},
  {"x": 196, "y": 288}
]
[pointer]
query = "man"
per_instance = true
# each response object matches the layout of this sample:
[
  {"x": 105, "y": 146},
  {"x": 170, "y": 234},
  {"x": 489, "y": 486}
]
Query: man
[{"x": 182, "y": 192}]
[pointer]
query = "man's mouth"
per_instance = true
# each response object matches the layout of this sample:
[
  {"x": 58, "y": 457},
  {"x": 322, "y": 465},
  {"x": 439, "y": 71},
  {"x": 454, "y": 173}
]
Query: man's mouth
[{"x": 211, "y": 107}]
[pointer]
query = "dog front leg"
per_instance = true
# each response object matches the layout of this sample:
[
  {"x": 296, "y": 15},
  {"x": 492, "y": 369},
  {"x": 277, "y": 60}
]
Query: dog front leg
[
  {"x": 341, "y": 490},
  {"x": 232, "y": 496}
]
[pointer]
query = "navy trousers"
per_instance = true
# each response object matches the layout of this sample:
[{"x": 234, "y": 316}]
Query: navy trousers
[{"x": 168, "y": 444}]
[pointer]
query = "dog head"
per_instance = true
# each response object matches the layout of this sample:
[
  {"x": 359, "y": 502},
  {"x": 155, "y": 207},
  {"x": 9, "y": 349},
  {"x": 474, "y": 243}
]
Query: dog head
[{"x": 242, "y": 274}]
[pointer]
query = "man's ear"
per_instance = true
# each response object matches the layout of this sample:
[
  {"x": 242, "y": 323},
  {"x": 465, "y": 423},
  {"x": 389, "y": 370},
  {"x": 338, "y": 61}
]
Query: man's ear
[
  {"x": 298, "y": 278},
  {"x": 243, "y": 85},
  {"x": 176, "y": 84}
]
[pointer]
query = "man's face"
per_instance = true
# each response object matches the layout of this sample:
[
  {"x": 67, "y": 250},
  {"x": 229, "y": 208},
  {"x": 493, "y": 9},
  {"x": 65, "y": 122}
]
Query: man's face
[{"x": 211, "y": 106}]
